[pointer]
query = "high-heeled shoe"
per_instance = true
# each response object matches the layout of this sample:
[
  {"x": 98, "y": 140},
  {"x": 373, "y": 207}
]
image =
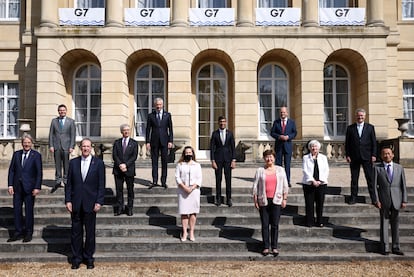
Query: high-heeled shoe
[
  {"x": 182, "y": 238},
  {"x": 192, "y": 239}
]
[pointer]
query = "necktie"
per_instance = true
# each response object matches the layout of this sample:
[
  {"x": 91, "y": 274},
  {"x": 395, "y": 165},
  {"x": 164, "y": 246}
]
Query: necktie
[
  {"x": 124, "y": 145},
  {"x": 84, "y": 169},
  {"x": 159, "y": 116},
  {"x": 61, "y": 123},
  {"x": 389, "y": 173},
  {"x": 283, "y": 126},
  {"x": 24, "y": 158}
]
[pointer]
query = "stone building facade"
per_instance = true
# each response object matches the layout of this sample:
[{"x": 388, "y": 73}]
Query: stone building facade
[{"x": 107, "y": 70}]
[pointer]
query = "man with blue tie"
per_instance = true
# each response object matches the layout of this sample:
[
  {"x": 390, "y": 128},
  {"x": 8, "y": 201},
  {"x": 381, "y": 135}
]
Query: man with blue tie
[
  {"x": 61, "y": 143},
  {"x": 360, "y": 149},
  {"x": 389, "y": 195},
  {"x": 159, "y": 140},
  {"x": 84, "y": 197},
  {"x": 284, "y": 131},
  {"x": 24, "y": 183}
]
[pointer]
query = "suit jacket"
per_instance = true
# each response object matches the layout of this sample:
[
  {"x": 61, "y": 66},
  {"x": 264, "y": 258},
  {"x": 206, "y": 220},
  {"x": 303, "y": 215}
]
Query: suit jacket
[
  {"x": 290, "y": 131},
  {"x": 220, "y": 152},
  {"x": 389, "y": 193},
  {"x": 30, "y": 176},
  {"x": 127, "y": 158},
  {"x": 62, "y": 138},
  {"x": 363, "y": 147},
  {"x": 85, "y": 193},
  {"x": 308, "y": 166},
  {"x": 159, "y": 133}
]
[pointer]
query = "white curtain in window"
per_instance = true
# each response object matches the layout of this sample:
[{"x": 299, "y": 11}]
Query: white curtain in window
[
  {"x": 151, "y": 4},
  {"x": 408, "y": 8},
  {"x": 333, "y": 3},
  {"x": 408, "y": 104},
  {"x": 9, "y": 8},
  {"x": 272, "y": 3},
  {"x": 90, "y": 4},
  {"x": 212, "y": 4}
]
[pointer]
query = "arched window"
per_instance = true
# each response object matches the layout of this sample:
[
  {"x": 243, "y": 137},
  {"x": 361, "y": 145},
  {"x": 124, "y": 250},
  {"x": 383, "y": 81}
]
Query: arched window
[
  {"x": 149, "y": 84},
  {"x": 336, "y": 101},
  {"x": 87, "y": 97},
  {"x": 212, "y": 102},
  {"x": 273, "y": 94}
]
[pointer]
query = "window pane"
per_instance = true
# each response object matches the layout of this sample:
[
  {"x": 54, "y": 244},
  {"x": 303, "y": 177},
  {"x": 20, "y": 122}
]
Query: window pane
[
  {"x": 272, "y": 3},
  {"x": 333, "y": 3},
  {"x": 90, "y": 4},
  {"x": 212, "y": 4},
  {"x": 151, "y": 4},
  {"x": 407, "y": 9},
  {"x": 408, "y": 105}
]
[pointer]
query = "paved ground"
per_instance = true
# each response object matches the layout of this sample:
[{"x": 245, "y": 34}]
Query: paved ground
[{"x": 242, "y": 176}]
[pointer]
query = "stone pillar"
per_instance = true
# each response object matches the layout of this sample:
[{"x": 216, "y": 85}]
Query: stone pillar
[
  {"x": 375, "y": 11},
  {"x": 310, "y": 13},
  {"x": 244, "y": 13},
  {"x": 180, "y": 13},
  {"x": 49, "y": 13},
  {"x": 114, "y": 12}
]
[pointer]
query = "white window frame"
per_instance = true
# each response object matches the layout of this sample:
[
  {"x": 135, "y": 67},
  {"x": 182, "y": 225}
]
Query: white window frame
[
  {"x": 407, "y": 6},
  {"x": 150, "y": 98},
  {"x": 89, "y": 4},
  {"x": 275, "y": 109},
  {"x": 88, "y": 108},
  {"x": 6, "y": 111},
  {"x": 205, "y": 154},
  {"x": 408, "y": 105},
  {"x": 334, "y": 80},
  {"x": 7, "y": 16}
]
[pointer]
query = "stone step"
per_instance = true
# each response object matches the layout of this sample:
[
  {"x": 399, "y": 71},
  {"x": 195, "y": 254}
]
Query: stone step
[{"x": 152, "y": 231}]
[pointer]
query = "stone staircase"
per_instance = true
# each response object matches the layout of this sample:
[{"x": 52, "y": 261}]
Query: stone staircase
[{"x": 351, "y": 232}]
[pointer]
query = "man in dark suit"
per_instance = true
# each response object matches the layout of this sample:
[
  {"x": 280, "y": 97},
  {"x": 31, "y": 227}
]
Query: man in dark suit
[
  {"x": 389, "y": 195},
  {"x": 84, "y": 197},
  {"x": 124, "y": 154},
  {"x": 61, "y": 143},
  {"x": 223, "y": 156},
  {"x": 159, "y": 139},
  {"x": 284, "y": 131},
  {"x": 24, "y": 183},
  {"x": 360, "y": 149}
]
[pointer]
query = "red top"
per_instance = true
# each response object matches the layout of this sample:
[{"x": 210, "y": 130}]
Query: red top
[{"x": 271, "y": 183}]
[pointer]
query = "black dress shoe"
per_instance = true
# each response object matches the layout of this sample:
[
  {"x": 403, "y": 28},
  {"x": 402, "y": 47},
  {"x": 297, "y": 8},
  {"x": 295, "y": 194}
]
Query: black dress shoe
[
  {"x": 15, "y": 238},
  {"x": 118, "y": 213},
  {"x": 385, "y": 253},
  {"x": 397, "y": 252},
  {"x": 129, "y": 212},
  {"x": 27, "y": 238},
  {"x": 352, "y": 201},
  {"x": 165, "y": 186},
  {"x": 229, "y": 203},
  {"x": 55, "y": 188},
  {"x": 152, "y": 185},
  {"x": 218, "y": 203},
  {"x": 90, "y": 265},
  {"x": 75, "y": 266}
]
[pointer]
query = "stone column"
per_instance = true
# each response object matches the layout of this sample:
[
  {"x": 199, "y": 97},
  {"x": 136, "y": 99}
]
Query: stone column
[
  {"x": 49, "y": 13},
  {"x": 114, "y": 12},
  {"x": 310, "y": 13},
  {"x": 180, "y": 13},
  {"x": 245, "y": 13},
  {"x": 375, "y": 11}
]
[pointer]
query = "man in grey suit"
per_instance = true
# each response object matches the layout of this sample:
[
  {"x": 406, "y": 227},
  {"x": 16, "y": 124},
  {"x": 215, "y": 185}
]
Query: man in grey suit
[
  {"x": 389, "y": 195},
  {"x": 61, "y": 144}
]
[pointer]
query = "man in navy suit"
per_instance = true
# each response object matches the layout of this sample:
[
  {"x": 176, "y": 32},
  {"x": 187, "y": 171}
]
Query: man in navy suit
[
  {"x": 360, "y": 149},
  {"x": 284, "y": 131},
  {"x": 84, "y": 197},
  {"x": 159, "y": 139},
  {"x": 61, "y": 143},
  {"x": 389, "y": 195},
  {"x": 222, "y": 156},
  {"x": 124, "y": 154},
  {"x": 24, "y": 183}
]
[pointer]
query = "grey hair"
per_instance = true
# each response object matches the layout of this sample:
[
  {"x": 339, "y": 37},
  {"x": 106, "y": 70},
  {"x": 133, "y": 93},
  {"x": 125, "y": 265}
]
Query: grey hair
[
  {"x": 121, "y": 128},
  {"x": 157, "y": 99},
  {"x": 360, "y": 110},
  {"x": 314, "y": 142},
  {"x": 27, "y": 136}
]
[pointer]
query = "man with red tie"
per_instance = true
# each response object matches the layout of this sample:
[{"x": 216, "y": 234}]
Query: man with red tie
[{"x": 284, "y": 131}]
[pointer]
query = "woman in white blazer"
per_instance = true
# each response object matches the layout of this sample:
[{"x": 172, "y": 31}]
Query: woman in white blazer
[
  {"x": 315, "y": 179},
  {"x": 270, "y": 190}
]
